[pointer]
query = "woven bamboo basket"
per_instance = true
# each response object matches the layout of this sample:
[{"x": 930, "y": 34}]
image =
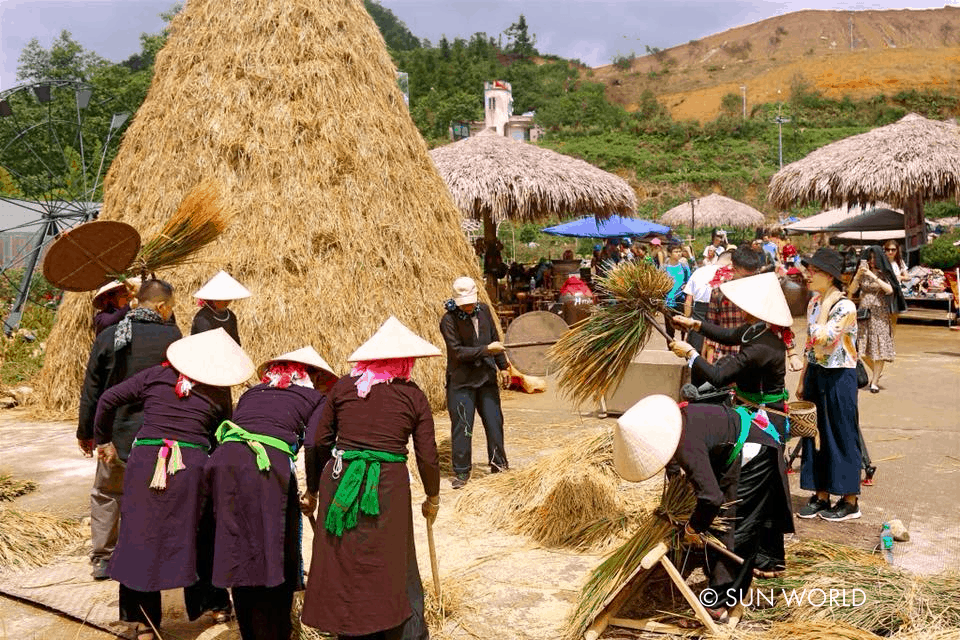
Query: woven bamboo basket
[{"x": 803, "y": 419}]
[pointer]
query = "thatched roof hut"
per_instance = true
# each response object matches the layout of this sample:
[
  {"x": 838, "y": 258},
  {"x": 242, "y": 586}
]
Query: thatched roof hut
[
  {"x": 913, "y": 158},
  {"x": 713, "y": 210},
  {"x": 495, "y": 178},
  {"x": 293, "y": 108}
]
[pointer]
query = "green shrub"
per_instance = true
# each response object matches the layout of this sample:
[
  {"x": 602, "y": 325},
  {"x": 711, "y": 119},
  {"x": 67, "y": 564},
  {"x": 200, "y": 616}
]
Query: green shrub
[{"x": 941, "y": 254}]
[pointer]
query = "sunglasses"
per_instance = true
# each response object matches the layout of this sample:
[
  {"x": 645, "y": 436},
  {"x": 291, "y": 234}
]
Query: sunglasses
[{"x": 890, "y": 250}]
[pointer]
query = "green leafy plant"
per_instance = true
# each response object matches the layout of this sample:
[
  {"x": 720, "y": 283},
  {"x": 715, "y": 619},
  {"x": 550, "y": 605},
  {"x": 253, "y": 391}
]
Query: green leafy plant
[{"x": 941, "y": 253}]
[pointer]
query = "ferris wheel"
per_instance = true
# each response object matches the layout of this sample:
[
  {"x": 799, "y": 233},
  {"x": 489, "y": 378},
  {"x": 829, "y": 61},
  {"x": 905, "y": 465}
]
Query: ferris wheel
[{"x": 57, "y": 139}]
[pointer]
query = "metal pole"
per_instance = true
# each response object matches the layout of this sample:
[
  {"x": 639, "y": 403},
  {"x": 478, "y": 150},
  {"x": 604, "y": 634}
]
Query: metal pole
[
  {"x": 16, "y": 312},
  {"x": 743, "y": 90},
  {"x": 780, "y": 139}
]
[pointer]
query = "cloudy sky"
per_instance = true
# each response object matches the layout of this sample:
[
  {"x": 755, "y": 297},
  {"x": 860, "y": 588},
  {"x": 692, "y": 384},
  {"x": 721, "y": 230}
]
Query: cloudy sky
[{"x": 593, "y": 31}]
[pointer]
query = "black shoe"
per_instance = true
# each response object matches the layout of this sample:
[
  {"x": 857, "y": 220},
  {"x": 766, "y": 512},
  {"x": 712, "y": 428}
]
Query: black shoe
[
  {"x": 813, "y": 507},
  {"x": 460, "y": 480},
  {"x": 101, "y": 569},
  {"x": 843, "y": 510},
  {"x": 494, "y": 468}
]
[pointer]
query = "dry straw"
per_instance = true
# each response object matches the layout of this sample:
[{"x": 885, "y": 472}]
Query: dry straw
[
  {"x": 593, "y": 356},
  {"x": 506, "y": 179},
  {"x": 570, "y": 499},
  {"x": 31, "y": 539},
  {"x": 713, "y": 210},
  {"x": 911, "y": 158},
  {"x": 11, "y": 488},
  {"x": 342, "y": 220}
]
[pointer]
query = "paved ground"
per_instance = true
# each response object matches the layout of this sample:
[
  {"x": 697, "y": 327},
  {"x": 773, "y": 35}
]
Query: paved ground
[{"x": 912, "y": 430}]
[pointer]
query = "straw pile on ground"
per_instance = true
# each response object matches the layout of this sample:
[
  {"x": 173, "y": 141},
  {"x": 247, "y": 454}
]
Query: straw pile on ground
[
  {"x": 894, "y": 600},
  {"x": 293, "y": 110},
  {"x": 571, "y": 498},
  {"x": 32, "y": 539},
  {"x": 10, "y": 488}
]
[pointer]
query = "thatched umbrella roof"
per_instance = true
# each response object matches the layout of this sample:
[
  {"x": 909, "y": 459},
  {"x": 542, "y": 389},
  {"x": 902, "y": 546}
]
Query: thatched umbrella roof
[
  {"x": 495, "y": 176},
  {"x": 713, "y": 210},
  {"x": 911, "y": 158},
  {"x": 293, "y": 109}
]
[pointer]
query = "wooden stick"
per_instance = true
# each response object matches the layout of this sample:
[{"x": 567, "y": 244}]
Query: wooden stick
[
  {"x": 656, "y": 325},
  {"x": 612, "y": 606},
  {"x": 433, "y": 559},
  {"x": 532, "y": 343},
  {"x": 688, "y": 595},
  {"x": 648, "y": 624}
]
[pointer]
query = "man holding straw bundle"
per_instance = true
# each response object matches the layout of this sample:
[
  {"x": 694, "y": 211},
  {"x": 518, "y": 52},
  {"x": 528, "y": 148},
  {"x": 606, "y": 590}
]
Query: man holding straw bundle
[{"x": 119, "y": 352}]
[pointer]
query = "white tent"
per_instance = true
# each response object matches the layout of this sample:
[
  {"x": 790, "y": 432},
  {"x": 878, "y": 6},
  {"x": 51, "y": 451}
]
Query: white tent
[{"x": 819, "y": 222}]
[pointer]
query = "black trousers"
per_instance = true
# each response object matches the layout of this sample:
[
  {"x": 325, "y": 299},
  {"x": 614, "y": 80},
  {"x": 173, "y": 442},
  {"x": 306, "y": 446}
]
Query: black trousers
[
  {"x": 138, "y": 606},
  {"x": 263, "y": 613},
  {"x": 698, "y": 312},
  {"x": 463, "y": 403}
]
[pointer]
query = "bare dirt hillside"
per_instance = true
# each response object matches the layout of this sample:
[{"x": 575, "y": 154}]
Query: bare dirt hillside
[{"x": 859, "y": 53}]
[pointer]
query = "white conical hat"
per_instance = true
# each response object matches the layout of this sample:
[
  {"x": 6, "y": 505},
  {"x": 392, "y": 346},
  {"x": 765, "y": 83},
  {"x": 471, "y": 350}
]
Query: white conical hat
[
  {"x": 112, "y": 286},
  {"x": 305, "y": 355},
  {"x": 211, "y": 357},
  {"x": 646, "y": 437},
  {"x": 761, "y": 297},
  {"x": 394, "y": 340},
  {"x": 222, "y": 287}
]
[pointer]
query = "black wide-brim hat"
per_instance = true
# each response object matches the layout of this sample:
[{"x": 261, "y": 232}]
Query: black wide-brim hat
[{"x": 827, "y": 260}]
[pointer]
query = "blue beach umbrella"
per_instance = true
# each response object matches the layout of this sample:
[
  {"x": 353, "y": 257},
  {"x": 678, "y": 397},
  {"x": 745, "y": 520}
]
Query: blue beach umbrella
[{"x": 615, "y": 226}]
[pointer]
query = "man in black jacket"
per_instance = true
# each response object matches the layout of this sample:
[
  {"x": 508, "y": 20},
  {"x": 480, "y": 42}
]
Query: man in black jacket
[
  {"x": 474, "y": 354},
  {"x": 137, "y": 342}
]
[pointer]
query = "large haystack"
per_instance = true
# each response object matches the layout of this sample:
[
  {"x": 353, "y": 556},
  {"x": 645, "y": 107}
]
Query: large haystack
[{"x": 293, "y": 108}]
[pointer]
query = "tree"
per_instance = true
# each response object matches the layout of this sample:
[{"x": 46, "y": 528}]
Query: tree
[
  {"x": 66, "y": 59},
  {"x": 519, "y": 42},
  {"x": 394, "y": 31}
]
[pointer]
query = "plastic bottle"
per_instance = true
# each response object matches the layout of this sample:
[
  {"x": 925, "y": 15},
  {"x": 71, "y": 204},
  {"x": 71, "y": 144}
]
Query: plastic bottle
[
  {"x": 886, "y": 542},
  {"x": 533, "y": 283}
]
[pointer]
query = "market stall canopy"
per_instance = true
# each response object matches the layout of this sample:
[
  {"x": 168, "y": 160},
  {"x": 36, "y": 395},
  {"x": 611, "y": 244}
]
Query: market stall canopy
[
  {"x": 868, "y": 237},
  {"x": 503, "y": 179},
  {"x": 713, "y": 210},
  {"x": 911, "y": 158},
  {"x": 820, "y": 222},
  {"x": 615, "y": 226},
  {"x": 870, "y": 220}
]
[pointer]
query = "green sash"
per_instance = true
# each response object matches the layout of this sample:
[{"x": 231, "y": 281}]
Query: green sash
[
  {"x": 347, "y": 501},
  {"x": 763, "y": 398},
  {"x": 168, "y": 449},
  {"x": 231, "y": 432}
]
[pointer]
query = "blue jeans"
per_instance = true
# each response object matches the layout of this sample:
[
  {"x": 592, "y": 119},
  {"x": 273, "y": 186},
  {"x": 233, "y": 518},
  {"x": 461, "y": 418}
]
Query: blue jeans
[{"x": 463, "y": 403}]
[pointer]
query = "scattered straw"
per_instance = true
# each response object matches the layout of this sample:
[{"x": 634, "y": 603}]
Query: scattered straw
[
  {"x": 10, "y": 488},
  {"x": 444, "y": 613},
  {"x": 31, "y": 539},
  {"x": 893, "y": 600},
  {"x": 300, "y": 630}
]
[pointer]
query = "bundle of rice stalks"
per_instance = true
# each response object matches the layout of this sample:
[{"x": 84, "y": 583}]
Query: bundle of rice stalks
[
  {"x": 887, "y": 600},
  {"x": 10, "y": 488},
  {"x": 571, "y": 498},
  {"x": 199, "y": 220},
  {"x": 31, "y": 539},
  {"x": 593, "y": 356},
  {"x": 610, "y": 577}
]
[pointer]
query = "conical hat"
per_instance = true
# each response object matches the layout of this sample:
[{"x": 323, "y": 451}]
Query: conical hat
[
  {"x": 394, "y": 340},
  {"x": 222, "y": 287},
  {"x": 112, "y": 286},
  {"x": 646, "y": 437},
  {"x": 305, "y": 355},
  {"x": 761, "y": 297},
  {"x": 211, "y": 357}
]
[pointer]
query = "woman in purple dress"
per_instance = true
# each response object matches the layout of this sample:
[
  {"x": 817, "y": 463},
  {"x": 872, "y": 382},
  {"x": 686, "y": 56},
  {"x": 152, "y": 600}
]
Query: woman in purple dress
[
  {"x": 184, "y": 400},
  {"x": 364, "y": 581},
  {"x": 253, "y": 486}
]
